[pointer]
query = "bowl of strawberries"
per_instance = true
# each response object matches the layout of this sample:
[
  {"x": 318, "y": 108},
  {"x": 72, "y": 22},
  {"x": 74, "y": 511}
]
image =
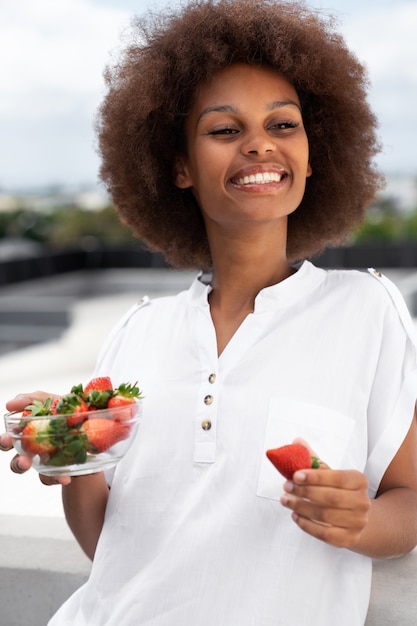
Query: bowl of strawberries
[{"x": 85, "y": 431}]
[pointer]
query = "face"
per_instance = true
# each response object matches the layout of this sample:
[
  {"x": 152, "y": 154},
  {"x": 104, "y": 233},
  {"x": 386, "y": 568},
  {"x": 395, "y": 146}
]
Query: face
[{"x": 247, "y": 149}]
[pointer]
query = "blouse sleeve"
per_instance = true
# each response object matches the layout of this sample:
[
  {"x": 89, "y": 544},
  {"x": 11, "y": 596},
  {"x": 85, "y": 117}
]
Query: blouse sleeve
[{"x": 394, "y": 391}]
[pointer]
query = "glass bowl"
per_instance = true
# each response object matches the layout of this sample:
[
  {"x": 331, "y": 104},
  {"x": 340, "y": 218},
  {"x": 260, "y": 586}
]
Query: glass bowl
[{"x": 75, "y": 444}]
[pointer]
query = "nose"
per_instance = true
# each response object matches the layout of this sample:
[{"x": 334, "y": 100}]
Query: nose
[{"x": 257, "y": 143}]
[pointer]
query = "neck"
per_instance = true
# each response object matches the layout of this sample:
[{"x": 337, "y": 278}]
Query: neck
[{"x": 242, "y": 267}]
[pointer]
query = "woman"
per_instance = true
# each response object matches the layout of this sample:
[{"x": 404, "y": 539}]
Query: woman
[{"x": 236, "y": 138}]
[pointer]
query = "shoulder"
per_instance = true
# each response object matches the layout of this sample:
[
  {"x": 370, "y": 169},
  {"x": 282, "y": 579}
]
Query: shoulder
[
  {"x": 152, "y": 315},
  {"x": 369, "y": 284},
  {"x": 369, "y": 293}
]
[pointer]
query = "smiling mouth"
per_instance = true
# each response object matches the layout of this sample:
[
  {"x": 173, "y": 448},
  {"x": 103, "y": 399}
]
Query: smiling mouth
[{"x": 261, "y": 178}]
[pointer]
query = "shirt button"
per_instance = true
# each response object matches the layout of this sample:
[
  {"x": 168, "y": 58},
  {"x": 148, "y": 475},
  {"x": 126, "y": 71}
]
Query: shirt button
[
  {"x": 208, "y": 400},
  {"x": 212, "y": 378},
  {"x": 206, "y": 425}
]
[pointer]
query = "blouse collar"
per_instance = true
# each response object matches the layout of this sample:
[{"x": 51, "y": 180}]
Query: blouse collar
[{"x": 304, "y": 280}]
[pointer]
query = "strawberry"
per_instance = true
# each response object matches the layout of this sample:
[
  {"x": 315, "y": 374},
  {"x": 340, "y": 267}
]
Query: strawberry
[
  {"x": 54, "y": 404},
  {"x": 125, "y": 395},
  {"x": 102, "y": 433},
  {"x": 290, "y": 458},
  {"x": 102, "y": 383},
  {"x": 36, "y": 437},
  {"x": 78, "y": 416}
]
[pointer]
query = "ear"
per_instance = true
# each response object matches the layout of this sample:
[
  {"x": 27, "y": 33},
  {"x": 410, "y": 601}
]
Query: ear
[{"x": 182, "y": 178}]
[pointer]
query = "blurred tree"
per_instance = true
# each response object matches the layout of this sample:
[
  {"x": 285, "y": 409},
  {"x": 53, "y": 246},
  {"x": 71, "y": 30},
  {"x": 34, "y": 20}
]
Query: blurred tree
[
  {"x": 66, "y": 226},
  {"x": 384, "y": 222}
]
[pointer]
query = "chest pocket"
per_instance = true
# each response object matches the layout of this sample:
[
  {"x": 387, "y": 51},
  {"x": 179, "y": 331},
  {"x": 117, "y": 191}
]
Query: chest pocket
[{"x": 328, "y": 433}]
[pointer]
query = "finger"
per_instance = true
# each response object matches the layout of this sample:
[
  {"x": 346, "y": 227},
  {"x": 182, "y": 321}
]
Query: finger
[
  {"x": 339, "y": 479},
  {"x": 339, "y": 536},
  {"x": 20, "y": 464},
  {"x": 349, "y": 512},
  {"x": 23, "y": 400},
  {"x": 5, "y": 442},
  {"x": 54, "y": 480}
]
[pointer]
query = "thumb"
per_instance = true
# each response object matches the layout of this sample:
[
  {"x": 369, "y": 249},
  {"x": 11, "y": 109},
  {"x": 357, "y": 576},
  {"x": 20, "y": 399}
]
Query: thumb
[{"x": 24, "y": 399}]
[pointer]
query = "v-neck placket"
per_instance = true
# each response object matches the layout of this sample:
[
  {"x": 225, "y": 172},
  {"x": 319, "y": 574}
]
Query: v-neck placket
[
  {"x": 206, "y": 409},
  {"x": 213, "y": 367}
]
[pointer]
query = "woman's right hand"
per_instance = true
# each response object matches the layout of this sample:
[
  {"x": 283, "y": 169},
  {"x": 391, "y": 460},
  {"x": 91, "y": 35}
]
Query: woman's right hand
[{"x": 21, "y": 463}]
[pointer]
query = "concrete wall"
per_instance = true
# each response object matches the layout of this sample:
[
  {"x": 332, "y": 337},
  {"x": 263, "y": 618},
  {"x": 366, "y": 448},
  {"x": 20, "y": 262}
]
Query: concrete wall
[
  {"x": 394, "y": 592},
  {"x": 40, "y": 566}
]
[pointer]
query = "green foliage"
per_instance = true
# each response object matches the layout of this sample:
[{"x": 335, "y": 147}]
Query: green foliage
[
  {"x": 384, "y": 222},
  {"x": 66, "y": 226},
  {"x": 72, "y": 226}
]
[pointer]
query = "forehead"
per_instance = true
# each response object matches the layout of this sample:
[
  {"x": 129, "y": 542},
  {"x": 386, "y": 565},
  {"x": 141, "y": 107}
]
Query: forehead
[{"x": 242, "y": 80}]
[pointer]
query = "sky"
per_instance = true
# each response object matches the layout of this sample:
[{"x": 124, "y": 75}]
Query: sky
[{"x": 53, "y": 53}]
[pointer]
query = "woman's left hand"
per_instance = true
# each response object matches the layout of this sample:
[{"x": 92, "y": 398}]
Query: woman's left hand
[{"x": 331, "y": 505}]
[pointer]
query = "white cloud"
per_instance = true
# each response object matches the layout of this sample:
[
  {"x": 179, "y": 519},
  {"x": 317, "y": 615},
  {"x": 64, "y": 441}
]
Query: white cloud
[
  {"x": 54, "y": 53},
  {"x": 51, "y": 86},
  {"x": 385, "y": 41}
]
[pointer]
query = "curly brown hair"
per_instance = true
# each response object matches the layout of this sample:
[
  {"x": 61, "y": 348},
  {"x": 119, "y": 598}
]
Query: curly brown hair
[{"x": 151, "y": 89}]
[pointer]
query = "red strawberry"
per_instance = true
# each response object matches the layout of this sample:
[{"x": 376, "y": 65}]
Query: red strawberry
[
  {"x": 125, "y": 395},
  {"x": 54, "y": 405},
  {"x": 102, "y": 433},
  {"x": 122, "y": 403},
  {"x": 78, "y": 416},
  {"x": 288, "y": 459},
  {"x": 101, "y": 383},
  {"x": 36, "y": 437},
  {"x": 73, "y": 406}
]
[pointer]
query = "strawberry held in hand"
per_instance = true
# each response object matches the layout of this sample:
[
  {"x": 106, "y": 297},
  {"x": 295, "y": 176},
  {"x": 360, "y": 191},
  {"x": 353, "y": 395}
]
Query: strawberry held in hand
[{"x": 292, "y": 457}]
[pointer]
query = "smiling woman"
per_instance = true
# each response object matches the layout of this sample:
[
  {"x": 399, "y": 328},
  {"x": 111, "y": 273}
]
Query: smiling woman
[{"x": 236, "y": 136}]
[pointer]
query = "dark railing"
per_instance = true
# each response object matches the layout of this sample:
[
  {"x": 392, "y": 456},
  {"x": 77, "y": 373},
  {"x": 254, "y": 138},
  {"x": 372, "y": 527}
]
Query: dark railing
[
  {"x": 73, "y": 260},
  {"x": 386, "y": 255}
]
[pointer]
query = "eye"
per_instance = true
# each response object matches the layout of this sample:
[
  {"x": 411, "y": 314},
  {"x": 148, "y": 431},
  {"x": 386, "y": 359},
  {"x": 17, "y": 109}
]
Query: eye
[
  {"x": 227, "y": 130},
  {"x": 283, "y": 125}
]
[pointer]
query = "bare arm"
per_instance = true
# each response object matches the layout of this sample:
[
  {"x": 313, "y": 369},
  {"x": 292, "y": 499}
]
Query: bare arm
[
  {"x": 333, "y": 505},
  {"x": 392, "y": 522},
  {"x": 85, "y": 499}
]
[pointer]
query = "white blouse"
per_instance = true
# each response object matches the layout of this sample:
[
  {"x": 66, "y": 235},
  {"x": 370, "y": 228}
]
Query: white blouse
[{"x": 194, "y": 533}]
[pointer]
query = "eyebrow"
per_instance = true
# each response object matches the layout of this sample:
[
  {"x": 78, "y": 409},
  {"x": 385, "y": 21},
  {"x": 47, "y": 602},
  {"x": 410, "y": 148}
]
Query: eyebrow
[{"x": 226, "y": 108}]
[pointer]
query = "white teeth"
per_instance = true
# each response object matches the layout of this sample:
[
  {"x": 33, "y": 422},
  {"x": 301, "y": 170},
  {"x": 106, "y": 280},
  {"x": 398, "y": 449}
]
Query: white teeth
[{"x": 260, "y": 178}]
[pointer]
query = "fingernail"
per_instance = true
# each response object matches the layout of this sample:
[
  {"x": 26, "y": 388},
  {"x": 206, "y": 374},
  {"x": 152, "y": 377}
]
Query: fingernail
[
  {"x": 284, "y": 499},
  {"x": 289, "y": 486},
  {"x": 300, "y": 476}
]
